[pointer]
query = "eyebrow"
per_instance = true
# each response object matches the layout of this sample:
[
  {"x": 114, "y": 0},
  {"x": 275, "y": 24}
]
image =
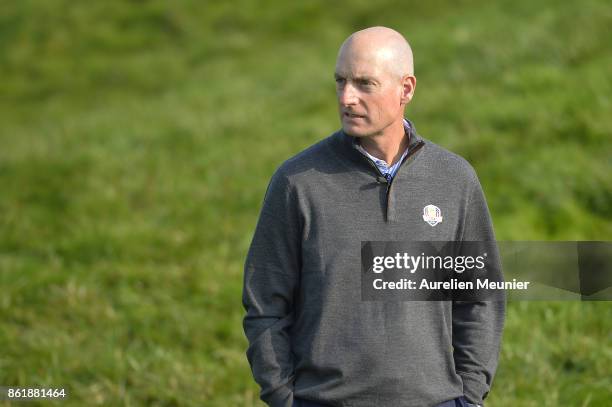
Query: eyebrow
[
  {"x": 365, "y": 78},
  {"x": 356, "y": 78}
]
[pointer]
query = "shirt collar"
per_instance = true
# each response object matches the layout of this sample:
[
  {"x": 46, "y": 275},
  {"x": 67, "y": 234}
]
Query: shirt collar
[{"x": 382, "y": 163}]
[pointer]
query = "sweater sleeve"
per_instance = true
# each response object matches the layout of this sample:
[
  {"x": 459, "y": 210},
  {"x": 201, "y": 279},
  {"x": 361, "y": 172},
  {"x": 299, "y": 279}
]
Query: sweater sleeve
[
  {"x": 477, "y": 325},
  {"x": 271, "y": 277}
]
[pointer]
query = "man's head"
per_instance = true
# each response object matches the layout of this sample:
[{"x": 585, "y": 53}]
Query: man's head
[{"x": 374, "y": 81}]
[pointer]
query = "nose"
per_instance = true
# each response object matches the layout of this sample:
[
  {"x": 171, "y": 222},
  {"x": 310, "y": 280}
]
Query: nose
[{"x": 347, "y": 95}]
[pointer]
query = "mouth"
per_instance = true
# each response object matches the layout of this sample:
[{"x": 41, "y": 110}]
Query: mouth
[{"x": 349, "y": 115}]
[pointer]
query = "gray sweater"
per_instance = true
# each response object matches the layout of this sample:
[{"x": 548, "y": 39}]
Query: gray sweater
[{"x": 311, "y": 335}]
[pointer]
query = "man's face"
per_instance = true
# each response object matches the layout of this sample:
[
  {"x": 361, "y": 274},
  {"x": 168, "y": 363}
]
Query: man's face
[{"x": 369, "y": 95}]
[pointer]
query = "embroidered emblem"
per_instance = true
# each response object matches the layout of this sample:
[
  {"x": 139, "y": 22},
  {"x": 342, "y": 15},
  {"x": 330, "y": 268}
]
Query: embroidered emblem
[{"x": 432, "y": 215}]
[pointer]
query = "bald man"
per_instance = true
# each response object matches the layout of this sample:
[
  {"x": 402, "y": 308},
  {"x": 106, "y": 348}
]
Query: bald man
[{"x": 313, "y": 340}]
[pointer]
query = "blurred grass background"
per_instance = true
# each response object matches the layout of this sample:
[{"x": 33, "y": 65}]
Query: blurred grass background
[{"x": 137, "y": 139}]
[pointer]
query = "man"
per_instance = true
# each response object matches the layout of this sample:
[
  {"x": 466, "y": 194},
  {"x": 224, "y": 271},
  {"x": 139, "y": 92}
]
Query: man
[{"x": 312, "y": 340}]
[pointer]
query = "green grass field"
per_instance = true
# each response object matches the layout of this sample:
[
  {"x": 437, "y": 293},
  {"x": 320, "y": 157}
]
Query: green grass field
[{"x": 137, "y": 141}]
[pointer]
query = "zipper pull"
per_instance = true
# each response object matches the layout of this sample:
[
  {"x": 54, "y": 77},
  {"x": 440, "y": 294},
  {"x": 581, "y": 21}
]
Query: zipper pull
[{"x": 382, "y": 179}]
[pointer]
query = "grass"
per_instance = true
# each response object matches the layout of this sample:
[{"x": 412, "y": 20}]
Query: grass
[{"x": 137, "y": 142}]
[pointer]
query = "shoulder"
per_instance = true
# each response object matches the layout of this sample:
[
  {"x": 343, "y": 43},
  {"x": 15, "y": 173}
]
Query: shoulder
[
  {"x": 306, "y": 163},
  {"x": 445, "y": 164}
]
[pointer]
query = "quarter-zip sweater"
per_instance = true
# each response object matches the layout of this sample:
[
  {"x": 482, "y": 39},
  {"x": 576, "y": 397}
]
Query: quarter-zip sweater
[{"x": 311, "y": 335}]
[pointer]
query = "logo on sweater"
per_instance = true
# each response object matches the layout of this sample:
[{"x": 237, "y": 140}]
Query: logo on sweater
[{"x": 432, "y": 215}]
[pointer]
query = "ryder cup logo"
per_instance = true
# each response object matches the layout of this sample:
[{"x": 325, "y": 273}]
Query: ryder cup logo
[{"x": 432, "y": 215}]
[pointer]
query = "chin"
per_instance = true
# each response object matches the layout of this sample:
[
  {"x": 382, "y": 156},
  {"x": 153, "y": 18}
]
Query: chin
[{"x": 351, "y": 131}]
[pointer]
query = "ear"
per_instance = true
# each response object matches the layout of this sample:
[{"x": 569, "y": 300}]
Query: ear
[{"x": 408, "y": 85}]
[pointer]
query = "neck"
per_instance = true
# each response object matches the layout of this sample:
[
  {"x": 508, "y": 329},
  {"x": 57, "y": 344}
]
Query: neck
[{"x": 389, "y": 145}]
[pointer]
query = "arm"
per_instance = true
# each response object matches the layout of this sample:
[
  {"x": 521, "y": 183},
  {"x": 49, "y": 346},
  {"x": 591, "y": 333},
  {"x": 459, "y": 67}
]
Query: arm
[
  {"x": 477, "y": 326},
  {"x": 271, "y": 276}
]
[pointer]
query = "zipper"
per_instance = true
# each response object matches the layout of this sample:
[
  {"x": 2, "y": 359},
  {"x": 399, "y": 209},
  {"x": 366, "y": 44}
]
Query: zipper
[
  {"x": 411, "y": 152},
  {"x": 381, "y": 179},
  {"x": 380, "y": 174}
]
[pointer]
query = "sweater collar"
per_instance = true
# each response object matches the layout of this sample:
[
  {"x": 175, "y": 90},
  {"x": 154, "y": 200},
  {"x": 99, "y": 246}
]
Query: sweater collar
[{"x": 346, "y": 144}]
